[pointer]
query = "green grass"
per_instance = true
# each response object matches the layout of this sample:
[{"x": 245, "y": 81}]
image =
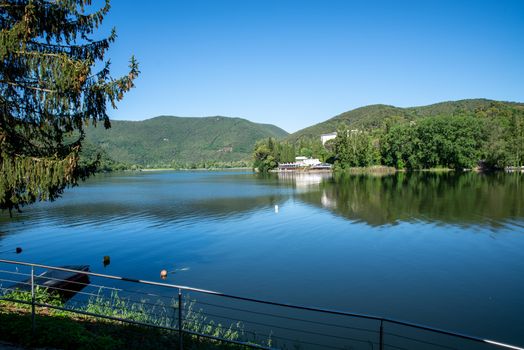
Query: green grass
[{"x": 67, "y": 330}]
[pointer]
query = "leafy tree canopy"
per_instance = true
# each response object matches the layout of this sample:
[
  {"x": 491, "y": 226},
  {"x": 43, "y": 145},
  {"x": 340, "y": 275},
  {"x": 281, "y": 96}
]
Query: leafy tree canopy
[
  {"x": 269, "y": 152},
  {"x": 50, "y": 90}
]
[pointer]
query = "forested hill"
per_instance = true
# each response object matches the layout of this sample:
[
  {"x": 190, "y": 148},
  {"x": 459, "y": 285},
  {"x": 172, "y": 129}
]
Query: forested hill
[
  {"x": 373, "y": 116},
  {"x": 168, "y": 141}
]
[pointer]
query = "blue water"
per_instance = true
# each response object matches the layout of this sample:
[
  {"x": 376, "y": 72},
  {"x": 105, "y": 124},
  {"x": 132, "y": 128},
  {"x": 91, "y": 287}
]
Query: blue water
[{"x": 439, "y": 249}]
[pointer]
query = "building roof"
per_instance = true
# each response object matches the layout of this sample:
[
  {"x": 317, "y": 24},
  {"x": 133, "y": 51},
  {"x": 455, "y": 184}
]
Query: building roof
[{"x": 334, "y": 133}]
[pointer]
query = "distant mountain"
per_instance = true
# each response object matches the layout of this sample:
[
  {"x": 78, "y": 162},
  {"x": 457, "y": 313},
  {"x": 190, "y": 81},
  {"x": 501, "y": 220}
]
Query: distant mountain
[
  {"x": 166, "y": 140},
  {"x": 373, "y": 116}
]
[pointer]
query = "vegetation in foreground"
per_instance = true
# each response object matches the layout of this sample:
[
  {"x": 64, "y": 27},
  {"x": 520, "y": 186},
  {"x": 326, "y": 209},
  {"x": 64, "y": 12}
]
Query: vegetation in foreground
[
  {"x": 66, "y": 330},
  {"x": 54, "y": 81}
]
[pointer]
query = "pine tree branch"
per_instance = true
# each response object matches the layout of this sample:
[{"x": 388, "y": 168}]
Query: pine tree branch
[
  {"x": 48, "y": 93},
  {"x": 23, "y": 86},
  {"x": 47, "y": 54},
  {"x": 72, "y": 47}
]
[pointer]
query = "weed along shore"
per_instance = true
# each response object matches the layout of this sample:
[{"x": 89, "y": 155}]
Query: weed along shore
[
  {"x": 55, "y": 327},
  {"x": 94, "y": 313},
  {"x": 111, "y": 312}
]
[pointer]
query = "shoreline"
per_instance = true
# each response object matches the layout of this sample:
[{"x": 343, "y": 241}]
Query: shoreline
[
  {"x": 188, "y": 169},
  {"x": 287, "y": 171},
  {"x": 354, "y": 170}
]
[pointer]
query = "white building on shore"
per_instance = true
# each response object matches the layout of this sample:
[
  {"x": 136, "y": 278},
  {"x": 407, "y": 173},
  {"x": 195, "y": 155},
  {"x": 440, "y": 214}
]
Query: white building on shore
[
  {"x": 326, "y": 137},
  {"x": 304, "y": 162}
]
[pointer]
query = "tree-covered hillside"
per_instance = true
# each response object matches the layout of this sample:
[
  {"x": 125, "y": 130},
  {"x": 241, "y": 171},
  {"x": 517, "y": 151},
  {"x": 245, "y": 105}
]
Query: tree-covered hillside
[
  {"x": 457, "y": 135},
  {"x": 373, "y": 116},
  {"x": 167, "y": 141}
]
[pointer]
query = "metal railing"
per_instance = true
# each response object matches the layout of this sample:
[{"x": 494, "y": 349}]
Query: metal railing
[{"x": 244, "y": 321}]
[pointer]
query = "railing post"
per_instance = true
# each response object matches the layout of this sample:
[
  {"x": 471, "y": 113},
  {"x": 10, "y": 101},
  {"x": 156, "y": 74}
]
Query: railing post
[
  {"x": 180, "y": 328},
  {"x": 33, "y": 300},
  {"x": 381, "y": 341}
]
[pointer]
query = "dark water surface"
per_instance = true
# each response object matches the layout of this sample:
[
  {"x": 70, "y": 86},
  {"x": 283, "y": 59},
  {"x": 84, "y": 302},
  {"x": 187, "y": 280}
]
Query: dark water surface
[{"x": 445, "y": 250}]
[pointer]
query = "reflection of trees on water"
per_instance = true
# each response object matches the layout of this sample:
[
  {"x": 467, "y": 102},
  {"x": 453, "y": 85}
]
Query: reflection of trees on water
[
  {"x": 457, "y": 198},
  {"x": 161, "y": 214},
  {"x": 158, "y": 201},
  {"x": 463, "y": 198}
]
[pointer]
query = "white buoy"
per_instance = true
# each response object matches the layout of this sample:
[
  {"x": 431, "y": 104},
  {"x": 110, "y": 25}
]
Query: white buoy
[{"x": 276, "y": 209}]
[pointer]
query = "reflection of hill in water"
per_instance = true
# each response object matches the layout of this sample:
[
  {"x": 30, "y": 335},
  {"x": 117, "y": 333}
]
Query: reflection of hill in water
[
  {"x": 158, "y": 215},
  {"x": 466, "y": 198},
  {"x": 159, "y": 199},
  {"x": 164, "y": 199}
]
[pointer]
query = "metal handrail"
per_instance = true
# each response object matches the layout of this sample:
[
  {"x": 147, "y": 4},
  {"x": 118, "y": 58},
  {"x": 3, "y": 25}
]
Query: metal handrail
[{"x": 381, "y": 319}]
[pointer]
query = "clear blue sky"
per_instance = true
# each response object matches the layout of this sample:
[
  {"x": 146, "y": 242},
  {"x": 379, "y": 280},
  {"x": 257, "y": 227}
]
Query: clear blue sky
[{"x": 297, "y": 63}]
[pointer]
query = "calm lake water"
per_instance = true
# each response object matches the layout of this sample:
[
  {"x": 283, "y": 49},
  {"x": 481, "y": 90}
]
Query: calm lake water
[{"x": 446, "y": 250}]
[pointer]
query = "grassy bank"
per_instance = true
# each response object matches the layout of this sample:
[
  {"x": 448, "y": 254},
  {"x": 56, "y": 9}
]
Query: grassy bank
[
  {"x": 67, "y": 330},
  {"x": 370, "y": 170}
]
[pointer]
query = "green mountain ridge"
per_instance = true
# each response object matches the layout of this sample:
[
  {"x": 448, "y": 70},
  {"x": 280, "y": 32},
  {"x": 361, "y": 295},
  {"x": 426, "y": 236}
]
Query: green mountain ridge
[
  {"x": 167, "y": 141},
  {"x": 372, "y": 116}
]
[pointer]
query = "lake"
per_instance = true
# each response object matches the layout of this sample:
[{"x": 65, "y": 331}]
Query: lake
[{"x": 441, "y": 249}]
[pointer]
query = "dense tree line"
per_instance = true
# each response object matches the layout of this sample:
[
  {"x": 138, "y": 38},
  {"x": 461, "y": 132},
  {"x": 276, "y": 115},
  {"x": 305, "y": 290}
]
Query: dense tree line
[
  {"x": 91, "y": 153},
  {"x": 355, "y": 148},
  {"x": 269, "y": 152},
  {"x": 447, "y": 141},
  {"x": 210, "y": 165},
  {"x": 491, "y": 137},
  {"x": 175, "y": 142}
]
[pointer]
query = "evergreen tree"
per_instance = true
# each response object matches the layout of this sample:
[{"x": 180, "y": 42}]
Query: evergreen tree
[{"x": 49, "y": 92}]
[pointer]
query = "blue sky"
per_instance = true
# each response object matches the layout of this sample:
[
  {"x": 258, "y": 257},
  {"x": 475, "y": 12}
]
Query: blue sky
[{"x": 297, "y": 63}]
